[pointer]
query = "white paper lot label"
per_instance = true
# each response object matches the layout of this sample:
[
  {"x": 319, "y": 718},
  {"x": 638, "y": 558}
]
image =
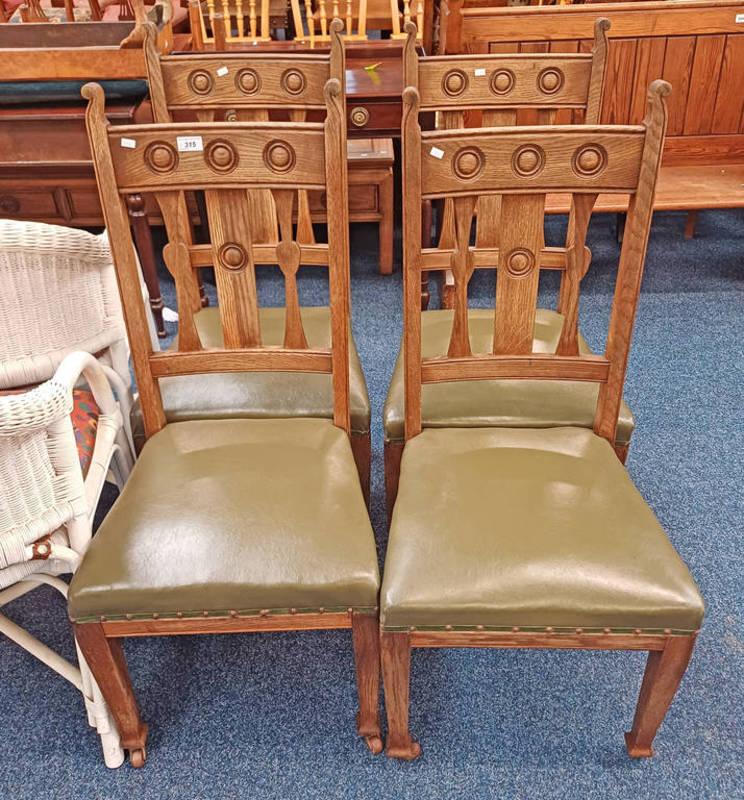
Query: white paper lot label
[
  {"x": 130, "y": 144},
  {"x": 739, "y": 19},
  {"x": 436, "y": 152},
  {"x": 480, "y": 72},
  {"x": 189, "y": 144},
  {"x": 222, "y": 71}
]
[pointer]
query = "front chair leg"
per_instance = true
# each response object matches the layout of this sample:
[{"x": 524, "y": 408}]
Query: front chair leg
[
  {"x": 365, "y": 633},
  {"x": 664, "y": 671},
  {"x": 106, "y": 661},
  {"x": 395, "y": 652}
]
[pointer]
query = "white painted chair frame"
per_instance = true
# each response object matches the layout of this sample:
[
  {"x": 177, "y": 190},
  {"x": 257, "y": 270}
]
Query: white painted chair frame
[{"x": 47, "y": 507}]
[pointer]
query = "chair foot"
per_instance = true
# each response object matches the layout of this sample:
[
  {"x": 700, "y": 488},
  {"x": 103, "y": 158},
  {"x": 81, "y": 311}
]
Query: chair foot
[
  {"x": 634, "y": 751},
  {"x": 406, "y": 750},
  {"x": 137, "y": 757},
  {"x": 374, "y": 743}
]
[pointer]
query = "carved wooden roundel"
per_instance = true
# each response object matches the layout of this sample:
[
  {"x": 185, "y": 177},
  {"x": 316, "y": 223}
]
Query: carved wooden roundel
[
  {"x": 528, "y": 160},
  {"x": 454, "y": 83},
  {"x": 520, "y": 262},
  {"x": 293, "y": 81},
  {"x": 232, "y": 256},
  {"x": 589, "y": 160},
  {"x": 467, "y": 164},
  {"x": 221, "y": 156},
  {"x": 502, "y": 81},
  {"x": 550, "y": 80},
  {"x": 200, "y": 82},
  {"x": 279, "y": 156},
  {"x": 9, "y": 204},
  {"x": 248, "y": 81},
  {"x": 161, "y": 157}
]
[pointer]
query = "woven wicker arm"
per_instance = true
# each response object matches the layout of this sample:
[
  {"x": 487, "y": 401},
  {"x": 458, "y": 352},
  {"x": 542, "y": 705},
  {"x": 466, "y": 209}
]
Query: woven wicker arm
[{"x": 42, "y": 491}]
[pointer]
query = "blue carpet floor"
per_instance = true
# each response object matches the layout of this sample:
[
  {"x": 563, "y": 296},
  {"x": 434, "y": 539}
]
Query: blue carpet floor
[{"x": 272, "y": 715}]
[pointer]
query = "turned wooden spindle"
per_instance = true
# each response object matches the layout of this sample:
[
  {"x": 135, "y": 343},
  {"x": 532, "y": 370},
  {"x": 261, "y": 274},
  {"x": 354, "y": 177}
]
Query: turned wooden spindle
[
  {"x": 239, "y": 18},
  {"x": 310, "y": 21},
  {"x": 348, "y": 17},
  {"x": 252, "y": 16},
  {"x": 323, "y": 19},
  {"x": 419, "y": 17}
]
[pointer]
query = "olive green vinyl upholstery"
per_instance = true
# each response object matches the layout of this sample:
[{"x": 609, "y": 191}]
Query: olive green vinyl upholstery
[
  {"x": 229, "y": 395},
  {"x": 529, "y": 528},
  {"x": 497, "y": 403},
  {"x": 233, "y": 515}
]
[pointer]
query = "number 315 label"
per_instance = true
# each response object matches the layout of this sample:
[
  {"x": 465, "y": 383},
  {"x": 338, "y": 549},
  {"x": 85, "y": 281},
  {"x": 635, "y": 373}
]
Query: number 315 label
[{"x": 189, "y": 144}]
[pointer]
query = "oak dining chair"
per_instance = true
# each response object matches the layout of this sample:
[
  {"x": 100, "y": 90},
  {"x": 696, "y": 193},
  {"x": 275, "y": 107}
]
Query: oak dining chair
[
  {"x": 230, "y": 525},
  {"x": 528, "y": 538},
  {"x": 237, "y": 87},
  {"x": 500, "y": 90}
]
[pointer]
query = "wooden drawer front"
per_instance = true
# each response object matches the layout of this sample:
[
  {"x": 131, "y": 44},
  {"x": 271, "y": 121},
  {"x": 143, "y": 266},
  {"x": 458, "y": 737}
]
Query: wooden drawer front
[
  {"x": 375, "y": 117},
  {"x": 28, "y": 204},
  {"x": 361, "y": 199}
]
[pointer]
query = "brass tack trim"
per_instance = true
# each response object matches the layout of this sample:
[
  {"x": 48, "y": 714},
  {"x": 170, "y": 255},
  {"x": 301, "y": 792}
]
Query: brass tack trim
[
  {"x": 321, "y": 610},
  {"x": 349, "y": 610},
  {"x": 155, "y": 615},
  {"x": 128, "y": 616},
  {"x": 480, "y": 627},
  {"x": 103, "y": 619},
  {"x": 233, "y": 613},
  {"x": 179, "y": 614},
  {"x": 264, "y": 612},
  {"x": 667, "y": 631},
  {"x": 549, "y": 629},
  {"x": 637, "y": 631},
  {"x": 448, "y": 627},
  {"x": 606, "y": 630},
  {"x": 515, "y": 629},
  {"x": 205, "y": 613},
  {"x": 412, "y": 628},
  {"x": 579, "y": 631},
  {"x": 292, "y": 610}
]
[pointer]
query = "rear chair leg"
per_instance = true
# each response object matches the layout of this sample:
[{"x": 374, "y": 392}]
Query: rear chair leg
[
  {"x": 106, "y": 661},
  {"x": 664, "y": 671},
  {"x": 365, "y": 633},
  {"x": 396, "y": 675}
]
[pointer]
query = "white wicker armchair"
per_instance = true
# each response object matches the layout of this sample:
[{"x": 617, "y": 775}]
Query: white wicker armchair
[
  {"x": 47, "y": 506},
  {"x": 59, "y": 295}
]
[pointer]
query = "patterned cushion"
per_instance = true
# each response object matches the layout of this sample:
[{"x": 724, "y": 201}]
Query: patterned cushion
[{"x": 84, "y": 418}]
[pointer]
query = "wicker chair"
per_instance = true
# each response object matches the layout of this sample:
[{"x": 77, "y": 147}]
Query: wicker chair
[
  {"x": 59, "y": 295},
  {"x": 47, "y": 505}
]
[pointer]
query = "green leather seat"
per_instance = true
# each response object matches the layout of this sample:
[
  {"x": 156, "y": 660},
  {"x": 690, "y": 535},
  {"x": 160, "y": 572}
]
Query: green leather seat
[
  {"x": 255, "y": 395},
  {"x": 504, "y": 403},
  {"x": 505, "y": 527},
  {"x": 242, "y": 515}
]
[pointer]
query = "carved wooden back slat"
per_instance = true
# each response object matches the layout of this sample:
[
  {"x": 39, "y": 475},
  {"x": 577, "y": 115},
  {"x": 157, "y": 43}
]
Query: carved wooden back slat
[
  {"x": 522, "y": 165},
  {"x": 230, "y": 162}
]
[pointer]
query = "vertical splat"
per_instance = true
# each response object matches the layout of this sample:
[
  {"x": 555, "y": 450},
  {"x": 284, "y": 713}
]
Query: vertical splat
[
  {"x": 178, "y": 261},
  {"x": 229, "y": 212},
  {"x": 449, "y": 120},
  {"x": 305, "y": 233},
  {"x": 577, "y": 263},
  {"x": 288, "y": 255},
  {"x": 489, "y": 206},
  {"x": 521, "y": 233},
  {"x": 461, "y": 263}
]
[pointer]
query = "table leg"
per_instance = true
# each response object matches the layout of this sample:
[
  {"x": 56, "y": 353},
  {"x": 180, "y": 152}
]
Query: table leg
[{"x": 143, "y": 240}]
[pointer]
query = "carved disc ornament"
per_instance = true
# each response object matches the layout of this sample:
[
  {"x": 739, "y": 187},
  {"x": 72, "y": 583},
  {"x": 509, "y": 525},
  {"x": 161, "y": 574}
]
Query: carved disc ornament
[
  {"x": 232, "y": 256},
  {"x": 161, "y": 157},
  {"x": 248, "y": 81},
  {"x": 200, "y": 82},
  {"x": 454, "y": 83},
  {"x": 550, "y": 80},
  {"x": 502, "y": 81},
  {"x": 279, "y": 156},
  {"x": 528, "y": 160},
  {"x": 293, "y": 81},
  {"x": 468, "y": 163},
  {"x": 520, "y": 262},
  {"x": 221, "y": 156},
  {"x": 589, "y": 160}
]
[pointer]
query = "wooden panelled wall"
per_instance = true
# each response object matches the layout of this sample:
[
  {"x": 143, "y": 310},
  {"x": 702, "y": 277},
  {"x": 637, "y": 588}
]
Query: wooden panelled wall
[{"x": 697, "y": 46}]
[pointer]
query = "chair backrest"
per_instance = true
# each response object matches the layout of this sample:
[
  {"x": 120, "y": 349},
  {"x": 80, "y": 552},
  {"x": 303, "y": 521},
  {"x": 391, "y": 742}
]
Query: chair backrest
[
  {"x": 314, "y": 25},
  {"x": 523, "y": 164},
  {"x": 167, "y": 160},
  {"x": 247, "y": 88},
  {"x": 506, "y": 89},
  {"x": 230, "y": 21},
  {"x": 32, "y": 11},
  {"x": 59, "y": 295}
]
